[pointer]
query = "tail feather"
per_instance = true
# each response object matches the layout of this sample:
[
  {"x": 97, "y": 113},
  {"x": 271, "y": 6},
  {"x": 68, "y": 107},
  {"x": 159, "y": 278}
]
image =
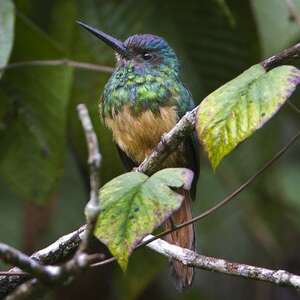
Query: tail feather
[{"x": 184, "y": 237}]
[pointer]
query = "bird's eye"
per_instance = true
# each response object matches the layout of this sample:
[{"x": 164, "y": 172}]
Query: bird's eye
[{"x": 146, "y": 56}]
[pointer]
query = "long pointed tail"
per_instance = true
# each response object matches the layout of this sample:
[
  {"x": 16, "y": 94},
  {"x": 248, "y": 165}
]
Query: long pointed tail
[{"x": 184, "y": 237}]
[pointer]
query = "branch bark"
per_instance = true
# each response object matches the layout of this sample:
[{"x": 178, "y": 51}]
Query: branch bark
[
  {"x": 190, "y": 258},
  {"x": 15, "y": 257},
  {"x": 92, "y": 209},
  {"x": 277, "y": 59},
  {"x": 64, "y": 247}
]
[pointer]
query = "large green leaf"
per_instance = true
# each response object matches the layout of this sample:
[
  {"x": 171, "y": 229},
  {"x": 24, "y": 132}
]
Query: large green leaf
[
  {"x": 133, "y": 205},
  {"x": 32, "y": 139},
  {"x": 234, "y": 111},
  {"x": 7, "y": 20}
]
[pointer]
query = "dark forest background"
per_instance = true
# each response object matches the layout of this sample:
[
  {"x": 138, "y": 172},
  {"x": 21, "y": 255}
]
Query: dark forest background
[{"x": 43, "y": 171}]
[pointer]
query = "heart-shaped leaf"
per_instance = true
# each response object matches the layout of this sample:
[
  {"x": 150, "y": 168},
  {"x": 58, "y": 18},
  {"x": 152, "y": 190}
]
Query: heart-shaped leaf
[
  {"x": 7, "y": 20},
  {"x": 133, "y": 205},
  {"x": 234, "y": 111}
]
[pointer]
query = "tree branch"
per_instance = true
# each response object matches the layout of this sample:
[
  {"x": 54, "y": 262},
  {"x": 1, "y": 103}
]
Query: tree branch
[
  {"x": 92, "y": 209},
  {"x": 64, "y": 247},
  {"x": 15, "y": 257},
  {"x": 277, "y": 59},
  {"x": 190, "y": 258}
]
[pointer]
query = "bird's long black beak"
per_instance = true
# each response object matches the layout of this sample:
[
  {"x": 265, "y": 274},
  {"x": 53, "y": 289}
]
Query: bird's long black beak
[{"x": 115, "y": 44}]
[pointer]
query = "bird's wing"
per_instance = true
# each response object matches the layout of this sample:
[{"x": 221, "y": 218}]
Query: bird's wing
[
  {"x": 192, "y": 144},
  {"x": 192, "y": 157}
]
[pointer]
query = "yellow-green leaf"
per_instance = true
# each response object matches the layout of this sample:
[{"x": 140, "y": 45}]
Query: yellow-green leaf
[
  {"x": 133, "y": 205},
  {"x": 234, "y": 111}
]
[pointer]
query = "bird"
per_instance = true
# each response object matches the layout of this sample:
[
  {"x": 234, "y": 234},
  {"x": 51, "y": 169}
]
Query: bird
[{"x": 142, "y": 100}]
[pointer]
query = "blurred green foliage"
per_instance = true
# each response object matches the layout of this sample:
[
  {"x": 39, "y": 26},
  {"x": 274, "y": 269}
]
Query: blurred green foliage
[{"x": 43, "y": 151}]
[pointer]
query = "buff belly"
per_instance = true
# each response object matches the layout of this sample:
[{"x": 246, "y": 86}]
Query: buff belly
[{"x": 137, "y": 135}]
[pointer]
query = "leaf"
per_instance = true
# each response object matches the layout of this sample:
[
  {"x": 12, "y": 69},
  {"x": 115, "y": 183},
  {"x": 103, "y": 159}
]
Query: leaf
[
  {"x": 7, "y": 20},
  {"x": 32, "y": 139},
  {"x": 133, "y": 205},
  {"x": 237, "y": 109}
]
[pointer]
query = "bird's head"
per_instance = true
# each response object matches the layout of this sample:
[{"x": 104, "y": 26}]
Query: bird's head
[{"x": 142, "y": 51}]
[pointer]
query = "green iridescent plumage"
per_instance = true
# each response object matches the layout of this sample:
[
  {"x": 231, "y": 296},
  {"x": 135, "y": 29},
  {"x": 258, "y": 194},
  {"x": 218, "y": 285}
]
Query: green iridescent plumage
[{"x": 148, "y": 84}]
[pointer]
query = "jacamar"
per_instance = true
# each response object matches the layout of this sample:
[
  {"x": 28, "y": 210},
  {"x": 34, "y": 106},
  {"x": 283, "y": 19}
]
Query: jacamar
[{"x": 143, "y": 99}]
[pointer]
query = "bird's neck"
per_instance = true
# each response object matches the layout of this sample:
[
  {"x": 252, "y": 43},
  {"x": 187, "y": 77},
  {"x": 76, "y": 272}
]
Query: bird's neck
[{"x": 138, "y": 89}]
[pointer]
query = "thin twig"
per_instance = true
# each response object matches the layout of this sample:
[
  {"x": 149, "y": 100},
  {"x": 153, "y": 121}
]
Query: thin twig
[
  {"x": 58, "y": 62},
  {"x": 10, "y": 274},
  {"x": 15, "y": 257},
  {"x": 277, "y": 59},
  {"x": 104, "y": 262},
  {"x": 92, "y": 208}
]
